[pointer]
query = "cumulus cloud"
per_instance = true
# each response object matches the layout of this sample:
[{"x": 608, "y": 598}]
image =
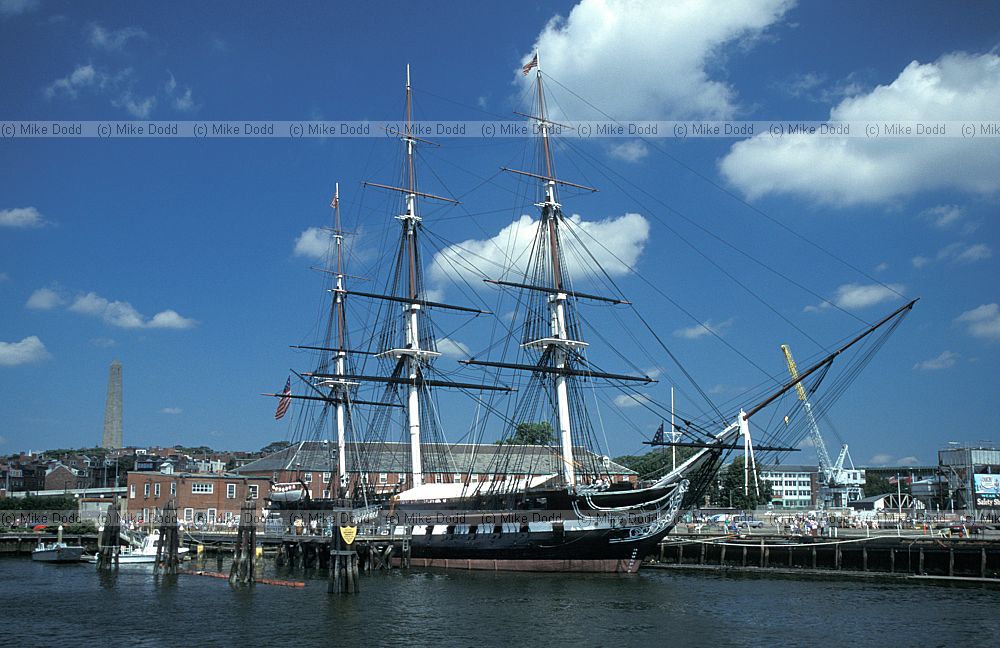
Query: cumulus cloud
[
  {"x": 28, "y": 350},
  {"x": 626, "y": 401},
  {"x": 44, "y": 299},
  {"x": 851, "y": 171},
  {"x": 852, "y": 296},
  {"x": 629, "y": 151},
  {"x": 124, "y": 315},
  {"x": 182, "y": 102},
  {"x": 621, "y": 241},
  {"x": 452, "y": 348},
  {"x": 171, "y": 410},
  {"x": 113, "y": 39},
  {"x": 21, "y": 217},
  {"x": 982, "y": 321},
  {"x": 701, "y": 330},
  {"x": 880, "y": 459},
  {"x": 649, "y": 59},
  {"x": 314, "y": 243},
  {"x": 944, "y": 361}
]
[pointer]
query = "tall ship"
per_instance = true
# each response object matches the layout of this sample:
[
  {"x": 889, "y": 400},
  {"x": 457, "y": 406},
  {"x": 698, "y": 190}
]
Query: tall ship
[{"x": 542, "y": 495}]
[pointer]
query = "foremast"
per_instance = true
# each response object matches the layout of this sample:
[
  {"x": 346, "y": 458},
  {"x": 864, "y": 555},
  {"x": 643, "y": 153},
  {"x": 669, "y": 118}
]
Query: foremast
[{"x": 559, "y": 342}]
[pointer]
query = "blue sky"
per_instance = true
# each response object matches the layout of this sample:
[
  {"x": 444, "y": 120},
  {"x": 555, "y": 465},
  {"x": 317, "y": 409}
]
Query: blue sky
[{"x": 185, "y": 259}]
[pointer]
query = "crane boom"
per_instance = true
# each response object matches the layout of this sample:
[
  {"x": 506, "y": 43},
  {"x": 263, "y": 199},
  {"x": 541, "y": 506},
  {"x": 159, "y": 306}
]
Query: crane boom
[{"x": 822, "y": 456}]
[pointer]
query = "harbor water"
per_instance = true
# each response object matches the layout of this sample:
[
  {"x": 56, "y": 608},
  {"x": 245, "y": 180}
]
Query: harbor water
[{"x": 76, "y": 604}]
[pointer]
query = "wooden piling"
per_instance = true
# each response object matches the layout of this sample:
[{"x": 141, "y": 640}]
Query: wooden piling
[
  {"x": 242, "y": 570},
  {"x": 167, "y": 554},
  {"x": 109, "y": 541}
]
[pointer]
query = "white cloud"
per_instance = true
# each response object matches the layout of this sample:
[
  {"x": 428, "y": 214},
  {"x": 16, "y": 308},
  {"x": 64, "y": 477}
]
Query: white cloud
[
  {"x": 30, "y": 349},
  {"x": 103, "y": 342},
  {"x": 908, "y": 461},
  {"x": 170, "y": 319},
  {"x": 851, "y": 296},
  {"x": 183, "y": 102},
  {"x": 701, "y": 330},
  {"x": 880, "y": 459},
  {"x": 629, "y": 151},
  {"x": 44, "y": 299},
  {"x": 314, "y": 242},
  {"x": 140, "y": 108},
  {"x": 982, "y": 321},
  {"x": 452, "y": 348},
  {"x": 882, "y": 267},
  {"x": 17, "y": 7},
  {"x": 943, "y": 215},
  {"x": 4, "y": 277},
  {"x": 958, "y": 253},
  {"x": 944, "y": 361},
  {"x": 113, "y": 39},
  {"x": 626, "y": 401},
  {"x": 124, "y": 315},
  {"x": 649, "y": 59},
  {"x": 21, "y": 217},
  {"x": 851, "y": 171},
  {"x": 171, "y": 410},
  {"x": 620, "y": 239},
  {"x": 83, "y": 76}
]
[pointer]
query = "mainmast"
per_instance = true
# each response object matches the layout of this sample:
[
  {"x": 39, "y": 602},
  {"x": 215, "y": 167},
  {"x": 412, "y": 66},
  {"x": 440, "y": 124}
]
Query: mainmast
[
  {"x": 560, "y": 342},
  {"x": 341, "y": 357}
]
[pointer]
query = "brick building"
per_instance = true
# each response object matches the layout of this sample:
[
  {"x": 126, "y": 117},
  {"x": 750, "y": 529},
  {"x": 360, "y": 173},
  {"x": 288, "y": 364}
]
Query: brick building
[
  {"x": 209, "y": 500},
  {"x": 387, "y": 465}
]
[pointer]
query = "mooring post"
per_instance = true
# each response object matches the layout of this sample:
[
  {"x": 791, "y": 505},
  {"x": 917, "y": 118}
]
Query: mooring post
[
  {"x": 951, "y": 561},
  {"x": 920, "y": 568},
  {"x": 167, "y": 554},
  {"x": 982, "y": 562},
  {"x": 109, "y": 541},
  {"x": 242, "y": 570},
  {"x": 864, "y": 558}
]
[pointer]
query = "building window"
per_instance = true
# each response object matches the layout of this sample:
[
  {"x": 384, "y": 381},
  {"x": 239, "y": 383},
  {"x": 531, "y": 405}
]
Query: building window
[
  {"x": 173, "y": 488},
  {"x": 474, "y": 478},
  {"x": 211, "y": 515},
  {"x": 230, "y": 491},
  {"x": 202, "y": 487},
  {"x": 145, "y": 490},
  {"x": 156, "y": 489},
  {"x": 308, "y": 477},
  {"x": 189, "y": 515},
  {"x": 326, "y": 478},
  {"x": 326, "y": 494},
  {"x": 131, "y": 491},
  {"x": 438, "y": 478},
  {"x": 383, "y": 478},
  {"x": 253, "y": 490}
]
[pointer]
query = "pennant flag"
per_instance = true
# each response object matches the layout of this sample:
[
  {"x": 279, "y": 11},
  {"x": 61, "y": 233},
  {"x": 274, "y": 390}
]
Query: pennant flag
[
  {"x": 658, "y": 437},
  {"x": 286, "y": 399},
  {"x": 335, "y": 202},
  {"x": 533, "y": 63}
]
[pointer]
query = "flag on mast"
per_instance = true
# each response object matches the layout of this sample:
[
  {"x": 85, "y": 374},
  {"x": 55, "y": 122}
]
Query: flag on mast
[
  {"x": 658, "y": 437},
  {"x": 286, "y": 400},
  {"x": 533, "y": 63}
]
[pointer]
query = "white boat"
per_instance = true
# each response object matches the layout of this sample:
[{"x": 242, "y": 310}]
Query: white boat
[
  {"x": 57, "y": 552},
  {"x": 145, "y": 553}
]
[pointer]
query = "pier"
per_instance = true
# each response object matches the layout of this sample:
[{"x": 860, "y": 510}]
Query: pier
[{"x": 924, "y": 556}]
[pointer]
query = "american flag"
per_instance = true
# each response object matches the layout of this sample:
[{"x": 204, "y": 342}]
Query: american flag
[
  {"x": 658, "y": 437},
  {"x": 533, "y": 63},
  {"x": 286, "y": 399}
]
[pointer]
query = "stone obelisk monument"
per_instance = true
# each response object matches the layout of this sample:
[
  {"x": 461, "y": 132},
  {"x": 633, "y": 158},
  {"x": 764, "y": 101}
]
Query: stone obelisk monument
[{"x": 112, "y": 437}]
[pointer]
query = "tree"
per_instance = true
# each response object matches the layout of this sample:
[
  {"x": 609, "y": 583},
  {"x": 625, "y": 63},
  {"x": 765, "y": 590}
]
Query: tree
[
  {"x": 531, "y": 434},
  {"x": 729, "y": 490},
  {"x": 656, "y": 462},
  {"x": 274, "y": 446}
]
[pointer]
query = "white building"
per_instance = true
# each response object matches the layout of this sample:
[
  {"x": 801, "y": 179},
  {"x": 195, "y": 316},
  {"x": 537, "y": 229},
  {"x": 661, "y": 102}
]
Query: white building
[{"x": 792, "y": 487}]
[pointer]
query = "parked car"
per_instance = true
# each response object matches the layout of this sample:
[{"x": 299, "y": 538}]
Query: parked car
[{"x": 748, "y": 522}]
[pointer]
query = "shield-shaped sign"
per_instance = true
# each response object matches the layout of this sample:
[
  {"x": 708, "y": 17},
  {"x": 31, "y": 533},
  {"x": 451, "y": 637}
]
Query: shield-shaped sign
[{"x": 348, "y": 534}]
